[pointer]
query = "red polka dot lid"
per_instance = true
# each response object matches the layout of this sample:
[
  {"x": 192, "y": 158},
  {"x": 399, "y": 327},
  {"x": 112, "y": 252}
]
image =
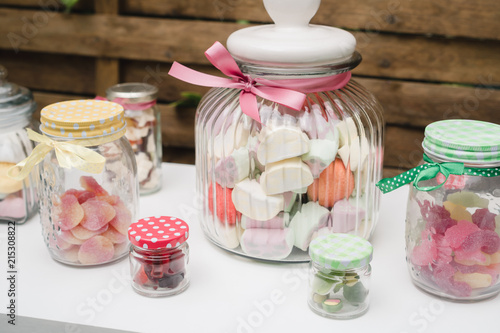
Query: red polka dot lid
[{"x": 158, "y": 232}]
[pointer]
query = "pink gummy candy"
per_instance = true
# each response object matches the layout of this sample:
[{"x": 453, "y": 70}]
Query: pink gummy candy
[
  {"x": 123, "y": 218},
  {"x": 84, "y": 234},
  {"x": 68, "y": 236},
  {"x": 437, "y": 217},
  {"x": 444, "y": 250},
  {"x": 69, "y": 213},
  {"x": 470, "y": 258},
  {"x": 90, "y": 184},
  {"x": 97, "y": 214},
  {"x": 485, "y": 240},
  {"x": 114, "y": 236},
  {"x": 454, "y": 182},
  {"x": 96, "y": 250},
  {"x": 484, "y": 219},
  {"x": 84, "y": 196},
  {"x": 443, "y": 277},
  {"x": 456, "y": 234}
]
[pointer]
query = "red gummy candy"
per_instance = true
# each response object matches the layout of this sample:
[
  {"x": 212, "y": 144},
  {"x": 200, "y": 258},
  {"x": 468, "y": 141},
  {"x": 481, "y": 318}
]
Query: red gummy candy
[
  {"x": 437, "y": 217},
  {"x": 123, "y": 218},
  {"x": 443, "y": 277},
  {"x": 456, "y": 234},
  {"x": 97, "y": 214},
  {"x": 96, "y": 250},
  {"x": 141, "y": 278},
  {"x": 69, "y": 213},
  {"x": 484, "y": 219},
  {"x": 485, "y": 240},
  {"x": 84, "y": 196},
  {"x": 454, "y": 182},
  {"x": 227, "y": 210},
  {"x": 90, "y": 184}
]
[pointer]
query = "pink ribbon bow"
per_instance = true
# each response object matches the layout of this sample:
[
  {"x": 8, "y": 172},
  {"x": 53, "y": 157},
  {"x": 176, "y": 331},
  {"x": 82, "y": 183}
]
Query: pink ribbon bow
[
  {"x": 130, "y": 106},
  {"x": 290, "y": 93}
]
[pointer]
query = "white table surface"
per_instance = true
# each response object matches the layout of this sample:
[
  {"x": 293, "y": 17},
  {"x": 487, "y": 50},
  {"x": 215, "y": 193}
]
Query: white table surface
[{"x": 228, "y": 293}]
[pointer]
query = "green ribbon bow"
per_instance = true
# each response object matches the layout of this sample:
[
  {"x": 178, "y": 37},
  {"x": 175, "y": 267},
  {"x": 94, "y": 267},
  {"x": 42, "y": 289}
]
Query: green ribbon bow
[{"x": 431, "y": 170}]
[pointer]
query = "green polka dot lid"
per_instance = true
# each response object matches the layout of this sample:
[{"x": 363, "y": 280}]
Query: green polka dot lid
[
  {"x": 467, "y": 141},
  {"x": 341, "y": 251},
  {"x": 83, "y": 119}
]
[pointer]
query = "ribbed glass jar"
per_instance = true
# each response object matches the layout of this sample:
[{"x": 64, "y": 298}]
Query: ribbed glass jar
[
  {"x": 269, "y": 188},
  {"x": 18, "y": 201}
]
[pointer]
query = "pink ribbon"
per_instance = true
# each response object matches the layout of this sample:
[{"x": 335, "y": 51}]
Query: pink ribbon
[
  {"x": 130, "y": 106},
  {"x": 290, "y": 93}
]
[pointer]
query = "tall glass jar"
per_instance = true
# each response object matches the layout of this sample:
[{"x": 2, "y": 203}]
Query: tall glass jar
[
  {"x": 87, "y": 190},
  {"x": 143, "y": 130},
  {"x": 453, "y": 213},
  {"x": 271, "y": 183},
  {"x": 18, "y": 200}
]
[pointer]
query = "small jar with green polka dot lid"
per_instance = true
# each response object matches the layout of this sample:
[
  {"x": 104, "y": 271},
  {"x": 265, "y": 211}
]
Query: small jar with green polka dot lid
[
  {"x": 453, "y": 211},
  {"x": 87, "y": 181},
  {"x": 339, "y": 275}
]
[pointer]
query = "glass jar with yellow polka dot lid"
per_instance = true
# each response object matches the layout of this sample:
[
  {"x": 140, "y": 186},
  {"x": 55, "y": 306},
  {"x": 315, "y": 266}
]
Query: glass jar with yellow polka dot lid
[
  {"x": 87, "y": 174},
  {"x": 453, "y": 212}
]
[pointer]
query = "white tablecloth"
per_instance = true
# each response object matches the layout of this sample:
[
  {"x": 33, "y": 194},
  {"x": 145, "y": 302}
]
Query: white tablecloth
[{"x": 228, "y": 293}]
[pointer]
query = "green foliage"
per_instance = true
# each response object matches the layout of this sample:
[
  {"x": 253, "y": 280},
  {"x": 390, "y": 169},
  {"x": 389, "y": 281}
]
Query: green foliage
[
  {"x": 68, "y": 4},
  {"x": 188, "y": 100}
]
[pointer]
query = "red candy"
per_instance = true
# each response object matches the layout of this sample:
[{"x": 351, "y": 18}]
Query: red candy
[
  {"x": 96, "y": 250},
  {"x": 437, "y": 217},
  {"x": 90, "y": 184},
  {"x": 484, "y": 219},
  {"x": 456, "y": 234},
  {"x": 224, "y": 204}
]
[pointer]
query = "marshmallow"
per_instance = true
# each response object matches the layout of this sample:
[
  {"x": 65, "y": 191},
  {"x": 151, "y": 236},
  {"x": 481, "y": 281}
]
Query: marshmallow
[
  {"x": 233, "y": 169},
  {"x": 347, "y": 131},
  {"x": 7, "y": 184},
  {"x": 228, "y": 236},
  {"x": 272, "y": 244},
  {"x": 252, "y": 146},
  {"x": 357, "y": 152},
  {"x": 233, "y": 138},
  {"x": 321, "y": 154},
  {"x": 315, "y": 124},
  {"x": 280, "y": 221},
  {"x": 144, "y": 166},
  {"x": 286, "y": 175},
  {"x": 308, "y": 220},
  {"x": 345, "y": 216},
  {"x": 282, "y": 143},
  {"x": 289, "y": 198},
  {"x": 15, "y": 146},
  {"x": 249, "y": 199}
]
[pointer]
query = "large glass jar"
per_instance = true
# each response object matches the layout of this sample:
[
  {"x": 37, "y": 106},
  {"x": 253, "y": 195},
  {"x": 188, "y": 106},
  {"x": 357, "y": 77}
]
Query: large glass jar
[
  {"x": 270, "y": 184},
  {"x": 17, "y": 197},
  {"x": 453, "y": 214},
  {"x": 87, "y": 190},
  {"x": 143, "y": 130}
]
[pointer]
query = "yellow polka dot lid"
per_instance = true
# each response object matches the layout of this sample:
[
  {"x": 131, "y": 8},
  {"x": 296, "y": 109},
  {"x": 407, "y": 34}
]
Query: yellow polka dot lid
[{"x": 83, "y": 119}]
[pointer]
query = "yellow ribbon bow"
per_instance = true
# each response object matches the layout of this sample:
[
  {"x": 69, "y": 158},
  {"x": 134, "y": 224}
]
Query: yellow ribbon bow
[{"x": 70, "y": 154}]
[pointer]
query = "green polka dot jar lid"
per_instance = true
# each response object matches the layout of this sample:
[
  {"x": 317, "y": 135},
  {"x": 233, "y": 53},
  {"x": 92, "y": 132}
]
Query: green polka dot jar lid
[
  {"x": 467, "y": 141},
  {"x": 341, "y": 251},
  {"x": 83, "y": 119}
]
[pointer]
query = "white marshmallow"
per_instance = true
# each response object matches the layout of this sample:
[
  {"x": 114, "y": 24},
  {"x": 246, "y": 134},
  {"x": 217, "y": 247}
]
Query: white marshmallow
[
  {"x": 286, "y": 175},
  {"x": 249, "y": 199},
  {"x": 345, "y": 216},
  {"x": 307, "y": 221},
  {"x": 233, "y": 138},
  {"x": 227, "y": 235},
  {"x": 321, "y": 154},
  {"x": 282, "y": 143},
  {"x": 144, "y": 166},
  {"x": 273, "y": 244},
  {"x": 233, "y": 169},
  {"x": 347, "y": 131}
]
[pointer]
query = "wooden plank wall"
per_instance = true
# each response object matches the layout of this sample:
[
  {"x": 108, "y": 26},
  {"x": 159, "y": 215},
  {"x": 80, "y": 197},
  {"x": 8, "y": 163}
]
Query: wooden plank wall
[{"x": 425, "y": 60}]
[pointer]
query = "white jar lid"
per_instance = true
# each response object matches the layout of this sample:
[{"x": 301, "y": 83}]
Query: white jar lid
[{"x": 291, "y": 39}]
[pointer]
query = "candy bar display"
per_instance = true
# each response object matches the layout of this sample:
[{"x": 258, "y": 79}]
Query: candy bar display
[
  {"x": 453, "y": 214},
  {"x": 87, "y": 186},
  {"x": 18, "y": 200},
  {"x": 143, "y": 130},
  {"x": 339, "y": 276},
  {"x": 159, "y": 256},
  {"x": 288, "y": 147}
]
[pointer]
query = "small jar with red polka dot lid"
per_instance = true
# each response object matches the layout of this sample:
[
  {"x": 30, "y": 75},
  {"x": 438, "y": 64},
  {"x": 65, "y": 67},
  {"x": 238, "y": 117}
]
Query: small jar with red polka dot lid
[
  {"x": 87, "y": 181},
  {"x": 159, "y": 256}
]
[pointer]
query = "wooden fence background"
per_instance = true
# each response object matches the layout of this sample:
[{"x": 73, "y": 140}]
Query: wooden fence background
[{"x": 425, "y": 60}]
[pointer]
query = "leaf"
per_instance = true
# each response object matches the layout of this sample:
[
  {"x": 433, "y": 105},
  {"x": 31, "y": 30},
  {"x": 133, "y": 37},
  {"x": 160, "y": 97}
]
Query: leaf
[
  {"x": 337, "y": 287},
  {"x": 68, "y": 4},
  {"x": 188, "y": 100}
]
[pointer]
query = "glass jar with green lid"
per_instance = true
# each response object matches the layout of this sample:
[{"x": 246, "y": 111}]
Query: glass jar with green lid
[
  {"x": 339, "y": 276},
  {"x": 453, "y": 212}
]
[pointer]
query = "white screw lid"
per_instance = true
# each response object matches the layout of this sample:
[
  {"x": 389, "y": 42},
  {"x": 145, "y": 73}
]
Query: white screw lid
[{"x": 291, "y": 39}]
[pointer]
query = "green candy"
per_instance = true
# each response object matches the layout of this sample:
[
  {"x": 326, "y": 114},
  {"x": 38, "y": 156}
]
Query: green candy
[
  {"x": 355, "y": 294},
  {"x": 319, "y": 298},
  {"x": 468, "y": 199},
  {"x": 332, "y": 305},
  {"x": 321, "y": 286}
]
